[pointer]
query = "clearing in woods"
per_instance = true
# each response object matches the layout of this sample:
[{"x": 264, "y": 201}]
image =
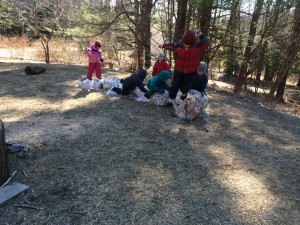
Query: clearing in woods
[{"x": 97, "y": 159}]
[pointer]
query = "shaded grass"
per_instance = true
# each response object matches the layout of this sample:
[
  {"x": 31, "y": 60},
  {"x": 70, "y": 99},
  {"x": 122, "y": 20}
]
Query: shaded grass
[{"x": 98, "y": 159}]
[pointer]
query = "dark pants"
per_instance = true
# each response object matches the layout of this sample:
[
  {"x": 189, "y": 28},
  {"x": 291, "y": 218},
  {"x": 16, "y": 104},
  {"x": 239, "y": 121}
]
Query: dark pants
[
  {"x": 180, "y": 81},
  {"x": 119, "y": 91}
]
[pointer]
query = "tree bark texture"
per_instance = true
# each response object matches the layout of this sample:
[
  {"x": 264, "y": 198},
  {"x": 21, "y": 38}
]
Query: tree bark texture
[
  {"x": 146, "y": 8},
  {"x": 205, "y": 13},
  {"x": 181, "y": 20},
  {"x": 281, "y": 88},
  {"x": 291, "y": 53},
  {"x": 247, "y": 54},
  {"x": 4, "y": 170}
]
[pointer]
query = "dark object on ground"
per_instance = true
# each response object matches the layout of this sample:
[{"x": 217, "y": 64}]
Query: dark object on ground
[
  {"x": 13, "y": 147},
  {"x": 34, "y": 70},
  {"x": 4, "y": 172}
]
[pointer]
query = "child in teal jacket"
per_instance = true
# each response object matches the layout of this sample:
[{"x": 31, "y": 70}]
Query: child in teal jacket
[{"x": 158, "y": 84}]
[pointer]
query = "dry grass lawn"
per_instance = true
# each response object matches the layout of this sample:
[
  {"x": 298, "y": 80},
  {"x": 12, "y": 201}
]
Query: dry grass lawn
[{"x": 97, "y": 159}]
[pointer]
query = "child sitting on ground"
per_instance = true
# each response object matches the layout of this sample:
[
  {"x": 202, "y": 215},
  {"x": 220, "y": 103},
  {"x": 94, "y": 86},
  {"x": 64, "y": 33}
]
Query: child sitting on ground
[{"x": 160, "y": 65}]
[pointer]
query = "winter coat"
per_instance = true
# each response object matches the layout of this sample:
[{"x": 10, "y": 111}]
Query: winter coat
[
  {"x": 158, "y": 83},
  {"x": 199, "y": 83},
  {"x": 160, "y": 66},
  {"x": 135, "y": 80},
  {"x": 94, "y": 55},
  {"x": 187, "y": 60}
]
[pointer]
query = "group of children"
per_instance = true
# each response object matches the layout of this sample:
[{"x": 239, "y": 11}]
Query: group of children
[{"x": 189, "y": 72}]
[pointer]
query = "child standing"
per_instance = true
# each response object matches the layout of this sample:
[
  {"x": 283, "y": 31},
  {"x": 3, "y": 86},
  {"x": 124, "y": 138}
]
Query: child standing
[
  {"x": 160, "y": 65},
  {"x": 94, "y": 58},
  {"x": 187, "y": 52}
]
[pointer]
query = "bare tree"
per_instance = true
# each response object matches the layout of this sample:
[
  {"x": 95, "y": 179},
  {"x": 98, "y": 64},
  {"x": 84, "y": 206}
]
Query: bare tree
[
  {"x": 4, "y": 168},
  {"x": 248, "y": 51},
  {"x": 140, "y": 23},
  {"x": 290, "y": 55},
  {"x": 42, "y": 19},
  {"x": 180, "y": 20}
]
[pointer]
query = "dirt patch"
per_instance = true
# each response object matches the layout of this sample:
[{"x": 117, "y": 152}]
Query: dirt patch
[{"x": 97, "y": 159}]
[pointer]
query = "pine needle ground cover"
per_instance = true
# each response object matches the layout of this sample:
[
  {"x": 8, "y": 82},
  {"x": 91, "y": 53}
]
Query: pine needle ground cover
[{"x": 98, "y": 159}]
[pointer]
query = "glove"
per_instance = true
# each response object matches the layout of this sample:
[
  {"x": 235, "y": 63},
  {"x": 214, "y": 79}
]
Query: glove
[
  {"x": 198, "y": 33},
  {"x": 147, "y": 96}
]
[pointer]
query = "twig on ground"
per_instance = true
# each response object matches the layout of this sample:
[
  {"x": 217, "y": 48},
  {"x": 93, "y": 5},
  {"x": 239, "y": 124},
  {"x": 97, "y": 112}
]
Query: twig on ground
[
  {"x": 8, "y": 180},
  {"x": 24, "y": 172},
  {"x": 26, "y": 206},
  {"x": 28, "y": 202}
]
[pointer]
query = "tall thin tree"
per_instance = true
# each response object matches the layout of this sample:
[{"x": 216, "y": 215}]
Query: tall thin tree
[{"x": 290, "y": 56}]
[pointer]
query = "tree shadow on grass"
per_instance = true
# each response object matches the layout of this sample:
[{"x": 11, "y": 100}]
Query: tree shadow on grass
[{"x": 117, "y": 161}]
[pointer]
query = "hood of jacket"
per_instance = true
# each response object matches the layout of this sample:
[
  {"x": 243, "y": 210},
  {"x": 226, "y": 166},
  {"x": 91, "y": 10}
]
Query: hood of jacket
[
  {"x": 142, "y": 74},
  {"x": 164, "y": 75}
]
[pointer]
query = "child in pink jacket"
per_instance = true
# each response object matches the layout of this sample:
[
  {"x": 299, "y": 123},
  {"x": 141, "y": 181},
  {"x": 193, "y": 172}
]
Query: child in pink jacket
[{"x": 94, "y": 57}]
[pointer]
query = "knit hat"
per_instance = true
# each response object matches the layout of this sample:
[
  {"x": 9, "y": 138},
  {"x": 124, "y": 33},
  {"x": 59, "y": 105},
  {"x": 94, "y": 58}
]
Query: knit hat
[
  {"x": 189, "y": 38},
  {"x": 142, "y": 74},
  {"x": 97, "y": 44},
  {"x": 202, "y": 67},
  {"x": 161, "y": 54}
]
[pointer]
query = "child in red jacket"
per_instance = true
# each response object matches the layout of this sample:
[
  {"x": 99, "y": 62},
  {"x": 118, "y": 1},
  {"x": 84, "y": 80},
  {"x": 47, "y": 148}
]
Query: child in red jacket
[
  {"x": 188, "y": 52},
  {"x": 94, "y": 58},
  {"x": 160, "y": 65}
]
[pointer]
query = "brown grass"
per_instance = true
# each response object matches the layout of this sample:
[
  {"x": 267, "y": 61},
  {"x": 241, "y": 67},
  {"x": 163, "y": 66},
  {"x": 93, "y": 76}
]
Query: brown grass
[
  {"x": 62, "y": 51},
  {"x": 97, "y": 159}
]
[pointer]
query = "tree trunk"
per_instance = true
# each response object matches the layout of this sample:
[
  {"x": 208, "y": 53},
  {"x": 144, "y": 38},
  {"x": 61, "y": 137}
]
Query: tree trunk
[
  {"x": 231, "y": 31},
  {"x": 181, "y": 20},
  {"x": 291, "y": 52},
  {"x": 139, "y": 62},
  {"x": 247, "y": 55},
  {"x": 146, "y": 8},
  {"x": 260, "y": 65},
  {"x": 281, "y": 88},
  {"x": 205, "y": 12},
  {"x": 170, "y": 26},
  {"x": 4, "y": 171},
  {"x": 280, "y": 74}
]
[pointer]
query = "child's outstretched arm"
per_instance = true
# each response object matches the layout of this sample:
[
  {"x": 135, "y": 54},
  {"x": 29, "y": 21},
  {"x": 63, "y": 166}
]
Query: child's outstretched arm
[
  {"x": 203, "y": 42},
  {"x": 169, "y": 46}
]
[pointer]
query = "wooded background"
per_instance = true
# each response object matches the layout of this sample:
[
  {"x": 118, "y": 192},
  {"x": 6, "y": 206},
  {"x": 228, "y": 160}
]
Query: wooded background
[{"x": 252, "y": 40}]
